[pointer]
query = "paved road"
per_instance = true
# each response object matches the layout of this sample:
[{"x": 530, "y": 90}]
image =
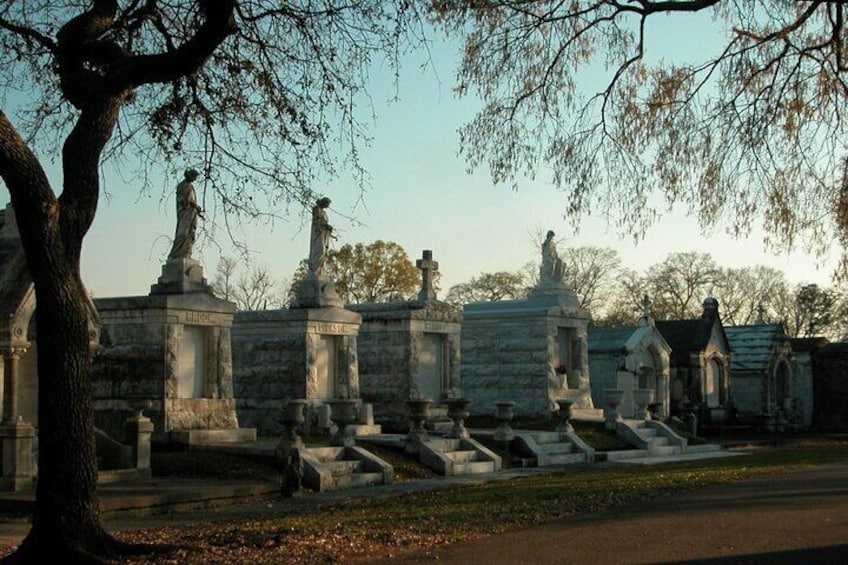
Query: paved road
[{"x": 799, "y": 518}]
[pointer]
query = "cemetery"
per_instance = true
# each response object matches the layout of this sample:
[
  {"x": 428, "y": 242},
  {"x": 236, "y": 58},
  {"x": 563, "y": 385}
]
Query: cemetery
[{"x": 321, "y": 387}]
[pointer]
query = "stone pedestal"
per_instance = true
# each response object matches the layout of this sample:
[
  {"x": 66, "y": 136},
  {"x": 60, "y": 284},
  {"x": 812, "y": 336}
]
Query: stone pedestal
[
  {"x": 18, "y": 464},
  {"x": 138, "y": 430},
  {"x": 504, "y": 412},
  {"x": 613, "y": 398},
  {"x": 317, "y": 291},
  {"x": 181, "y": 276},
  {"x": 308, "y": 353},
  {"x": 176, "y": 351},
  {"x": 418, "y": 410}
]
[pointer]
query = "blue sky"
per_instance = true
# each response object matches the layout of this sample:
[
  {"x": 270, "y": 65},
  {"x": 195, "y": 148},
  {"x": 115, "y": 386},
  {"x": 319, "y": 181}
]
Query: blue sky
[{"x": 421, "y": 197}]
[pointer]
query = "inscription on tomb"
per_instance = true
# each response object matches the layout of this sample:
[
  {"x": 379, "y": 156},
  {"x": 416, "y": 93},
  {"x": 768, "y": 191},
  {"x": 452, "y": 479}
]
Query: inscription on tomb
[
  {"x": 439, "y": 327},
  {"x": 203, "y": 319},
  {"x": 329, "y": 328}
]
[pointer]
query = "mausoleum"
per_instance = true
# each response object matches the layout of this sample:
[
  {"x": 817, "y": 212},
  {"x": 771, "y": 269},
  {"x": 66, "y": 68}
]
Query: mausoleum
[
  {"x": 630, "y": 358},
  {"x": 409, "y": 351},
  {"x": 530, "y": 351}
]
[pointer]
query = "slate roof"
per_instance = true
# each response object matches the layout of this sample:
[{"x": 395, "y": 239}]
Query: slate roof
[
  {"x": 608, "y": 339},
  {"x": 755, "y": 346},
  {"x": 685, "y": 336}
]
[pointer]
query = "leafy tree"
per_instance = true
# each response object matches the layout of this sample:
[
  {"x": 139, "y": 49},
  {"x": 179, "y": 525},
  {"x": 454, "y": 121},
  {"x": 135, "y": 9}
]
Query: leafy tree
[
  {"x": 378, "y": 272},
  {"x": 625, "y": 305},
  {"x": 252, "y": 290},
  {"x": 251, "y": 92},
  {"x": 744, "y": 132},
  {"x": 489, "y": 287}
]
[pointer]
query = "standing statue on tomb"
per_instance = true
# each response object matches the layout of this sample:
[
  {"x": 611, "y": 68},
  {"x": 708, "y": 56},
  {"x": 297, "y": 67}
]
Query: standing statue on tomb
[
  {"x": 322, "y": 232},
  {"x": 552, "y": 270},
  {"x": 187, "y": 213}
]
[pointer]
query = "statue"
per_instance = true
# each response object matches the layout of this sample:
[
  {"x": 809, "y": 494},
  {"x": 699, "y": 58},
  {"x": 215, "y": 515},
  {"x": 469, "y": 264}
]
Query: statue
[
  {"x": 187, "y": 213},
  {"x": 321, "y": 234},
  {"x": 552, "y": 270}
]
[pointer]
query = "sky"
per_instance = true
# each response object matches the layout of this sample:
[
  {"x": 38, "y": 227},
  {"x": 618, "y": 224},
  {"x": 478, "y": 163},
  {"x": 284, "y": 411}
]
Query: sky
[{"x": 421, "y": 197}]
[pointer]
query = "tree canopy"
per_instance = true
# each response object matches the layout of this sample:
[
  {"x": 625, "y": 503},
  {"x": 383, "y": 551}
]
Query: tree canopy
[
  {"x": 380, "y": 271},
  {"x": 748, "y": 132},
  {"x": 259, "y": 96}
]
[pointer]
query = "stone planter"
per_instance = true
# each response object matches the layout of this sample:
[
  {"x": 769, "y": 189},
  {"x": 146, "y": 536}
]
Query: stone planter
[
  {"x": 291, "y": 419},
  {"x": 458, "y": 412},
  {"x": 343, "y": 412},
  {"x": 613, "y": 397},
  {"x": 642, "y": 397},
  {"x": 565, "y": 414},
  {"x": 418, "y": 411},
  {"x": 504, "y": 412}
]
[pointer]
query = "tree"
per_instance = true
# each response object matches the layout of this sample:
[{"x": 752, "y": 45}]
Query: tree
[
  {"x": 625, "y": 306},
  {"x": 750, "y": 295},
  {"x": 811, "y": 311},
  {"x": 746, "y": 130},
  {"x": 247, "y": 89},
  {"x": 490, "y": 287},
  {"x": 378, "y": 272},
  {"x": 590, "y": 272},
  {"x": 679, "y": 285},
  {"x": 252, "y": 290}
]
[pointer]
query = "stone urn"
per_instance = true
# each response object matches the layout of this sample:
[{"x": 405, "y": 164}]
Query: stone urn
[
  {"x": 642, "y": 398},
  {"x": 565, "y": 414},
  {"x": 458, "y": 412},
  {"x": 343, "y": 412},
  {"x": 291, "y": 419},
  {"x": 504, "y": 412},
  {"x": 613, "y": 397},
  {"x": 418, "y": 409},
  {"x": 138, "y": 405}
]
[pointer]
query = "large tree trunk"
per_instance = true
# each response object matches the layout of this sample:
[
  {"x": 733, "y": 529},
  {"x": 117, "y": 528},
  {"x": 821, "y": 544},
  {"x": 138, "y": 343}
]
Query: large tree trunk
[{"x": 66, "y": 522}]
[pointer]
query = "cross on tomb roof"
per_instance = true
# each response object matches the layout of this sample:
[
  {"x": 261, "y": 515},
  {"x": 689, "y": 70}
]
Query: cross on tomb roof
[{"x": 428, "y": 270}]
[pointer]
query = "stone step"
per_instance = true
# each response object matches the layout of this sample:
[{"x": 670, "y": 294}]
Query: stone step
[
  {"x": 473, "y": 467},
  {"x": 354, "y": 480},
  {"x": 566, "y": 458},
  {"x": 646, "y": 433},
  {"x": 546, "y": 437},
  {"x": 664, "y": 450},
  {"x": 324, "y": 454},
  {"x": 659, "y": 441},
  {"x": 558, "y": 448},
  {"x": 343, "y": 467},
  {"x": 461, "y": 456},
  {"x": 450, "y": 444}
]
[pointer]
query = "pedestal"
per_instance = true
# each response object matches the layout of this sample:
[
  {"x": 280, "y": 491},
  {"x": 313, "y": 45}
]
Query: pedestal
[
  {"x": 18, "y": 465},
  {"x": 181, "y": 276},
  {"x": 458, "y": 412},
  {"x": 418, "y": 410},
  {"x": 504, "y": 412},
  {"x": 613, "y": 398},
  {"x": 138, "y": 430}
]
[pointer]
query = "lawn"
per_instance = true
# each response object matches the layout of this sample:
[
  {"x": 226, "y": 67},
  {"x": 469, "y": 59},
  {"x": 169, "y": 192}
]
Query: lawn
[{"x": 370, "y": 528}]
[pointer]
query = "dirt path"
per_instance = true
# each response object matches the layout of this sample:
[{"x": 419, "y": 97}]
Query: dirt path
[{"x": 798, "y": 517}]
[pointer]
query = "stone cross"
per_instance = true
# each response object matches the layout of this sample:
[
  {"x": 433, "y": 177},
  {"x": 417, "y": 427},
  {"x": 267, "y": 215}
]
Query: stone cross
[
  {"x": 646, "y": 307},
  {"x": 428, "y": 269}
]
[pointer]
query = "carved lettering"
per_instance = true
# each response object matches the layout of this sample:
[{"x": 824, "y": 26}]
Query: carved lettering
[
  {"x": 330, "y": 329},
  {"x": 202, "y": 318},
  {"x": 431, "y": 326}
]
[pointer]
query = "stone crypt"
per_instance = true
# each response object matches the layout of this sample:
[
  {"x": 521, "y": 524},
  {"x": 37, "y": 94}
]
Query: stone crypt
[
  {"x": 171, "y": 348},
  {"x": 530, "y": 351},
  {"x": 307, "y": 351},
  {"x": 409, "y": 350}
]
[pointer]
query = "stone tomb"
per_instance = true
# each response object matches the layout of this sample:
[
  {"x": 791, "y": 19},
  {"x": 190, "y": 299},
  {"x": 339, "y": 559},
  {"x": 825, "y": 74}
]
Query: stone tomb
[
  {"x": 298, "y": 353},
  {"x": 409, "y": 351},
  {"x": 629, "y": 358},
  {"x": 175, "y": 351}
]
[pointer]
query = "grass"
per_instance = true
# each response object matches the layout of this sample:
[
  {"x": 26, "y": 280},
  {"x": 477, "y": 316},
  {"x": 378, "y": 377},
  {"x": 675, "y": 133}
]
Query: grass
[{"x": 368, "y": 528}]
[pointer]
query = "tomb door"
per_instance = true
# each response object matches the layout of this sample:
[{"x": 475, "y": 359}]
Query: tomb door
[
  {"x": 713, "y": 385},
  {"x": 191, "y": 364},
  {"x": 327, "y": 357},
  {"x": 568, "y": 356},
  {"x": 431, "y": 366},
  {"x": 781, "y": 388}
]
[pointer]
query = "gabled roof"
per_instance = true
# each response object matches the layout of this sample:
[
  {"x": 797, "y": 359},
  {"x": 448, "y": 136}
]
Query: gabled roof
[
  {"x": 609, "y": 338},
  {"x": 686, "y": 336},
  {"x": 756, "y": 346}
]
